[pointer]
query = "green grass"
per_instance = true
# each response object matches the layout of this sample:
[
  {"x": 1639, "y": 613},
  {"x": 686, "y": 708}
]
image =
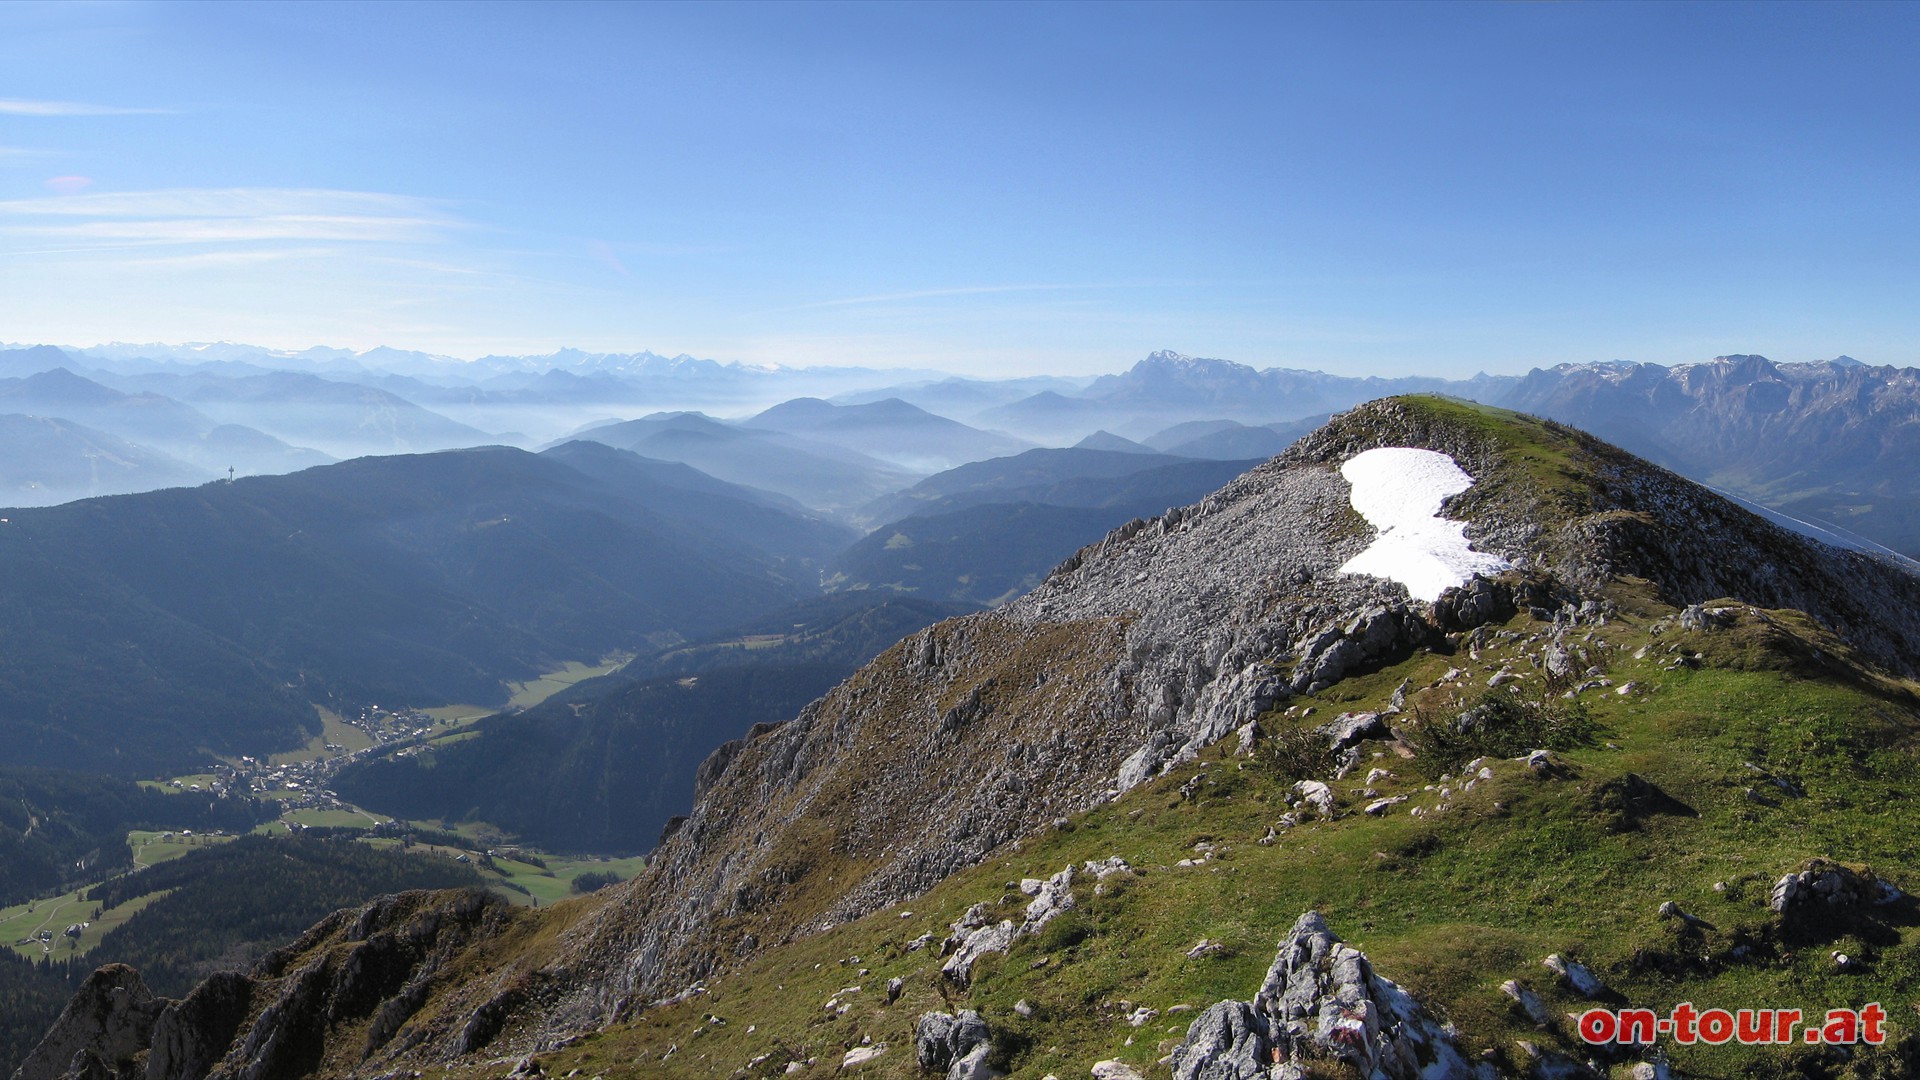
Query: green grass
[
  {"x": 459, "y": 714},
  {"x": 334, "y": 729},
  {"x": 59, "y": 913},
  {"x": 343, "y": 819},
  {"x": 453, "y": 737},
  {"x": 555, "y": 883},
  {"x": 533, "y": 692},
  {"x": 150, "y": 848},
  {"x": 186, "y": 782},
  {"x": 1450, "y": 904}
]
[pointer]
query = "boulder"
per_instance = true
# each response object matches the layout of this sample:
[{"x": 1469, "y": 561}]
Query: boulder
[
  {"x": 1317, "y": 795},
  {"x": 1529, "y": 1002},
  {"x": 1351, "y": 729},
  {"x": 973, "y": 1066},
  {"x": 1226, "y": 1042},
  {"x": 1576, "y": 976},
  {"x": 1321, "y": 1000},
  {"x": 942, "y": 1039}
]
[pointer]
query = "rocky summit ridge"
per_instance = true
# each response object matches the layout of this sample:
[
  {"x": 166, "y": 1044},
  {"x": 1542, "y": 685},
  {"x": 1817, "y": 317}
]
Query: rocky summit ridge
[{"x": 978, "y": 734}]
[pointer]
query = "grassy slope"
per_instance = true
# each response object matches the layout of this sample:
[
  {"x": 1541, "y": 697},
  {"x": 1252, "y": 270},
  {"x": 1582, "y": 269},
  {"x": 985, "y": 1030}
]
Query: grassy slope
[{"x": 1450, "y": 905}]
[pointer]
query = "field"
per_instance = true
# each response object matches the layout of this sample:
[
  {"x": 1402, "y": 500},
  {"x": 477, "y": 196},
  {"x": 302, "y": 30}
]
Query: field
[
  {"x": 186, "y": 782},
  {"x": 531, "y": 693},
  {"x": 348, "y": 819},
  {"x": 334, "y": 730},
  {"x": 19, "y": 924},
  {"x": 152, "y": 848}
]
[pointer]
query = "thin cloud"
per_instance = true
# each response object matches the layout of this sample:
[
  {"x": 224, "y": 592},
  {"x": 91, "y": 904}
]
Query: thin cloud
[
  {"x": 229, "y": 258},
  {"x": 225, "y": 216},
  {"x": 26, "y": 107}
]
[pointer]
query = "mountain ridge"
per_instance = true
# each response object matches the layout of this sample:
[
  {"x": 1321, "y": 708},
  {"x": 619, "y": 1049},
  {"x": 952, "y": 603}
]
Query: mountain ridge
[{"x": 1136, "y": 657}]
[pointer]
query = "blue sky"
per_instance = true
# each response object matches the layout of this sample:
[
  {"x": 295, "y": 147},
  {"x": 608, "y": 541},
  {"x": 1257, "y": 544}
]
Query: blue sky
[{"x": 990, "y": 189}]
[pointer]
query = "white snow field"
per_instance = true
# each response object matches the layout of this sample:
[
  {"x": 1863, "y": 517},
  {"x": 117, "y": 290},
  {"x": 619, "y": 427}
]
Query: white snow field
[{"x": 1399, "y": 489}]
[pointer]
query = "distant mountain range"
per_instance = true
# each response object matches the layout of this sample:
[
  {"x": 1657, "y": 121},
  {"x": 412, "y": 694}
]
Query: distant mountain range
[
  {"x": 989, "y": 530},
  {"x": 1837, "y": 442},
  {"x": 1816, "y": 441},
  {"x": 817, "y": 473},
  {"x": 121, "y": 442},
  {"x": 891, "y": 430},
  {"x": 148, "y": 631},
  {"x": 1169, "y": 387},
  {"x": 45, "y": 461},
  {"x": 342, "y": 418}
]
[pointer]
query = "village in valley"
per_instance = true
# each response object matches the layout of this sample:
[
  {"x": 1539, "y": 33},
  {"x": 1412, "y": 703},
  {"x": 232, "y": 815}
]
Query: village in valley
[{"x": 299, "y": 782}]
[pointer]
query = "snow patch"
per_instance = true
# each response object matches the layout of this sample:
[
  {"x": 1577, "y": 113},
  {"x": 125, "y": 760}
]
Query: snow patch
[{"x": 1399, "y": 489}]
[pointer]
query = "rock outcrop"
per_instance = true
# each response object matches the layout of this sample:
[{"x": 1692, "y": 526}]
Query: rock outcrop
[
  {"x": 366, "y": 971},
  {"x": 1823, "y": 886},
  {"x": 1321, "y": 1001},
  {"x": 942, "y": 1041},
  {"x": 109, "y": 1020}
]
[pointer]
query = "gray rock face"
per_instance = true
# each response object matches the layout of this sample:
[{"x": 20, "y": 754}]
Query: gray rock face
[
  {"x": 110, "y": 1017},
  {"x": 1054, "y": 896},
  {"x": 1233, "y": 604},
  {"x": 975, "y": 935},
  {"x": 942, "y": 1040},
  {"x": 1350, "y": 729},
  {"x": 973, "y": 1066},
  {"x": 1228, "y": 1041},
  {"x": 193, "y": 1034},
  {"x": 1321, "y": 1000}
]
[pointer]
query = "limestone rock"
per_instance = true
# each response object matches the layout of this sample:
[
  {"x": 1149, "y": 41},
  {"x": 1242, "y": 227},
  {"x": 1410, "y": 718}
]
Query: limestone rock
[
  {"x": 1827, "y": 885},
  {"x": 1054, "y": 896},
  {"x": 1577, "y": 976},
  {"x": 1316, "y": 795},
  {"x": 1350, "y": 729},
  {"x": 974, "y": 944},
  {"x": 1321, "y": 999},
  {"x": 942, "y": 1039},
  {"x": 193, "y": 1034},
  {"x": 1529, "y": 1002},
  {"x": 973, "y": 1066},
  {"x": 110, "y": 1017}
]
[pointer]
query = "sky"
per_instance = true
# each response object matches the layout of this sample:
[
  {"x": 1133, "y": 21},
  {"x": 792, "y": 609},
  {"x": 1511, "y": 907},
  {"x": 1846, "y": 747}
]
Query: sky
[{"x": 992, "y": 190}]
